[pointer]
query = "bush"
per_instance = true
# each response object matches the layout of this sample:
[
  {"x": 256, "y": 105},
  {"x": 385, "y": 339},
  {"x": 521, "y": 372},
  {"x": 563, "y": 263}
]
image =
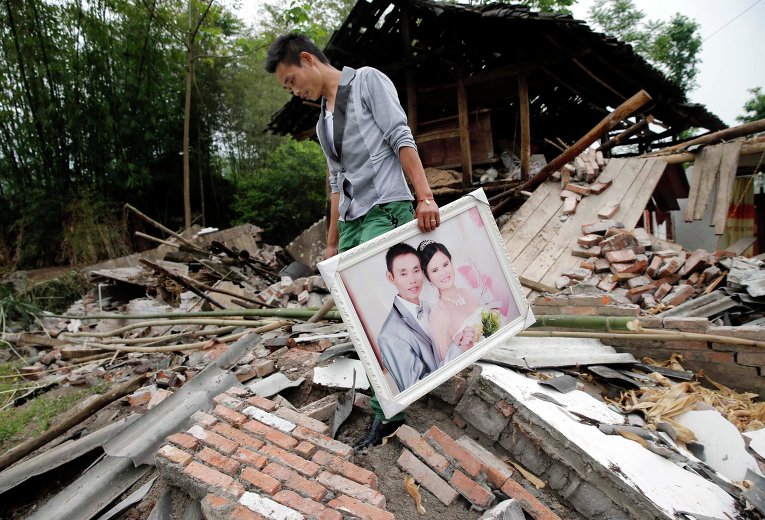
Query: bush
[{"x": 287, "y": 194}]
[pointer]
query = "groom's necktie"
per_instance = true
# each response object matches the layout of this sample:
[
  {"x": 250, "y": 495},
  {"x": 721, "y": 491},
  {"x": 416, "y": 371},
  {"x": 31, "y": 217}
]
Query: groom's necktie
[{"x": 420, "y": 311}]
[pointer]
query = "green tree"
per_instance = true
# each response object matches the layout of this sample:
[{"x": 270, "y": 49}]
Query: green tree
[
  {"x": 754, "y": 108},
  {"x": 671, "y": 46},
  {"x": 287, "y": 194}
]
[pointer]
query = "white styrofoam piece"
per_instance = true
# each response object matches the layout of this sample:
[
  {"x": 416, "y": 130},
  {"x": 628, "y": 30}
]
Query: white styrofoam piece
[
  {"x": 339, "y": 374},
  {"x": 269, "y": 419},
  {"x": 757, "y": 441},
  {"x": 667, "y": 485},
  {"x": 724, "y": 448}
]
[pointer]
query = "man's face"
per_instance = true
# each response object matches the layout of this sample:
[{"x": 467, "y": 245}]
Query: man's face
[
  {"x": 304, "y": 80},
  {"x": 406, "y": 276}
]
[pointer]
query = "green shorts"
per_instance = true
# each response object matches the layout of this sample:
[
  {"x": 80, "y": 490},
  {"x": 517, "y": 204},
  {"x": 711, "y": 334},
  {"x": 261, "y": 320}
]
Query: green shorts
[{"x": 380, "y": 219}]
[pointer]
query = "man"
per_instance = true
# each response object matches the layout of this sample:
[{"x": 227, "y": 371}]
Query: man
[
  {"x": 405, "y": 341},
  {"x": 369, "y": 148}
]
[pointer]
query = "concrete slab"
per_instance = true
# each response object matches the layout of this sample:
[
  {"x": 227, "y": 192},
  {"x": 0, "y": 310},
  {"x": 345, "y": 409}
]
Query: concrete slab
[{"x": 603, "y": 476}]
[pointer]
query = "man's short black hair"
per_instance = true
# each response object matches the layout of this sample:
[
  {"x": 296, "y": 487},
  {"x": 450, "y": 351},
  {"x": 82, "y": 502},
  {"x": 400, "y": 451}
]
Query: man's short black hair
[
  {"x": 287, "y": 48},
  {"x": 397, "y": 250}
]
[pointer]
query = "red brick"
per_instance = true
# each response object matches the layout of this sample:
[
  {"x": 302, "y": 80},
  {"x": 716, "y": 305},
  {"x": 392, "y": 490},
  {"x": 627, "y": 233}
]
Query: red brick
[
  {"x": 250, "y": 458},
  {"x": 305, "y": 449},
  {"x": 359, "y": 509},
  {"x": 678, "y": 295},
  {"x": 662, "y": 291},
  {"x": 752, "y": 359},
  {"x": 606, "y": 284},
  {"x": 589, "y": 240},
  {"x": 569, "y": 206},
  {"x": 497, "y": 472},
  {"x": 238, "y": 436},
  {"x": 271, "y": 435},
  {"x": 576, "y": 188},
  {"x": 229, "y": 400},
  {"x": 345, "y": 468},
  {"x": 471, "y": 490},
  {"x": 240, "y": 512},
  {"x": 344, "y": 486},
  {"x": 213, "y": 478},
  {"x": 329, "y": 444},
  {"x": 213, "y": 440},
  {"x": 174, "y": 455},
  {"x": 528, "y": 502},
  {"x": 420, "y": 447},
  {"x": 621, "y": 256},
  {"x": 447, "y": 445},
  {"x": 290, "y": 479},
  {"x": 427, "y": 478},
  {"x": 506, "y": 408},
  {"x": 299, "y": 464},
  {"x": 608, "y": 210},
  {"x": 654, "y": 266},
  {"x": 230, "y": 416},
  {"x": 262, "y": 403},
  {"x": 686, "y": 324},
  {"x": 218, "y": 461},
  {"x": 302, "y": 420},
  {"x": 598, "y": 187},
  {"x": 203, "y": 419},
  {"x": 237, "y": 392},
  {"x": 263, "y": 482},
  {"x": 184, "y": 440},
  {"x": 263, "y": 367},
  {"x": 306, "y": 505}
]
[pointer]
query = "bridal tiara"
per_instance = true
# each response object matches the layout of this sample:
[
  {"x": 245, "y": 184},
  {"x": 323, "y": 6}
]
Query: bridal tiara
[{"x": 424, "y": 244}]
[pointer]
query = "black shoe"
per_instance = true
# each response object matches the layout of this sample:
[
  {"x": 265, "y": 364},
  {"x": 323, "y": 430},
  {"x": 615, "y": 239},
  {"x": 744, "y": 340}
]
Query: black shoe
[{"x": 376, "y": 432}]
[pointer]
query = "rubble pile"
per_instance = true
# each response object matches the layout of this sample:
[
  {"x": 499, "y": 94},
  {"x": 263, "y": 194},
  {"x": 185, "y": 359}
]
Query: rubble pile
[
  {"x": 627, "y": 265},
  {"x": 579, "y": 178}
]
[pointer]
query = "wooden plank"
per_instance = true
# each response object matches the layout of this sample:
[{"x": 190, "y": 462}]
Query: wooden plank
[
  {"x": 641, "y": 195},
  {"x": 523, "y": 99},
  {"x": 462, "y": 111},
  {"x": 557, "y": 258},
  {"x": 728, "y": 167},
  {"x": 705, "y": 172},
  {"x": 535, "y": 234},
  {"x": 693, "y": 191},
  {"x": 541, "y": 195}
]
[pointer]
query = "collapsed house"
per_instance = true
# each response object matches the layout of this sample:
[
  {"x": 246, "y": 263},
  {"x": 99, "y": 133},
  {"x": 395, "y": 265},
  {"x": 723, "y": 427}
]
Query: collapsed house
[{"x": 223, "y": 406}]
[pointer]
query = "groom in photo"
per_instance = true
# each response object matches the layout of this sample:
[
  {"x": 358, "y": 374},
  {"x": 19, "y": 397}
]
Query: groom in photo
[{"x": 405, "y": 339}]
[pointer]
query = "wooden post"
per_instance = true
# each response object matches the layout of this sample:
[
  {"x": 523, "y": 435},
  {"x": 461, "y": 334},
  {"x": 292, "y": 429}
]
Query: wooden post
[
  {"x": 619, "y": 139},
  {"x": 728, "y": 133},
  {"x": 523, "y": 100},
  {"x": 411, "y": 90},
  {"x": 464, "y": 123},
  {"x": 622, "y": 111}
]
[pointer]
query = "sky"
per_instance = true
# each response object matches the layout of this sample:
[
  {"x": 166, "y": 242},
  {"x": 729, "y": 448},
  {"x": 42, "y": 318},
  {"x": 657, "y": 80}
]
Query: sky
[{"x": 732, "y": 55}]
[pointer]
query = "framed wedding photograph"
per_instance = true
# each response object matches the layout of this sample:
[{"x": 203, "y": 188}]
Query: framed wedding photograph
[{"x": 422, "y": 306}]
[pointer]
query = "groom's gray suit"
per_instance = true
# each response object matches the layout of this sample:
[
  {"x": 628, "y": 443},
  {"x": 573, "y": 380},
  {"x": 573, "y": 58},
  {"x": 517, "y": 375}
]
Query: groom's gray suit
[{"x": 407, "y": 350}]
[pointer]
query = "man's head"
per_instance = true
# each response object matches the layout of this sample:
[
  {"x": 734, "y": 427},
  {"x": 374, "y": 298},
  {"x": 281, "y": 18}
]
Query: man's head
[
  {"x": 404, "y": 271},
  {"x": 297, "y": 62}
]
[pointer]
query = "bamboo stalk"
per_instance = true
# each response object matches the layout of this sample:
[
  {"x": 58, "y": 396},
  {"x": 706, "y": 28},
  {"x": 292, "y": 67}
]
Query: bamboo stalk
[
  {"x": 646, "y": 334},
  {"x": 166, "y": 230},
  {"x": 607, "y": 323},
  {"x": 155, "y": 323},
  {"x": 297, "y": 314},
  {"x": 189, "y": 346},
  {"x": 170, "y": 337}
]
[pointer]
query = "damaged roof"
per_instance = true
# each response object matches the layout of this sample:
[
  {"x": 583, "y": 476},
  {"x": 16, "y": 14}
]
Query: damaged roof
[{"x": 574, "y": 73}]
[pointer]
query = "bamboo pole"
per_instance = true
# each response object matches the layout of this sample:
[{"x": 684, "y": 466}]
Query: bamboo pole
[
  {"x": 160, "y": 323},
  {"x": 296, "y": 314},
  {"x": 607, "y": 323},
  {"x": 72, "y": 418},
  {"x": 170, "y": 232}
]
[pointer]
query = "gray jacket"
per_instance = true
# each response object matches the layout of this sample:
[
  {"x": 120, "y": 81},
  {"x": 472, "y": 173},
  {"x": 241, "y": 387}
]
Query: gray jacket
[
  {"x": 407, "y": 350},
  {"x": 369, "y": 129}
]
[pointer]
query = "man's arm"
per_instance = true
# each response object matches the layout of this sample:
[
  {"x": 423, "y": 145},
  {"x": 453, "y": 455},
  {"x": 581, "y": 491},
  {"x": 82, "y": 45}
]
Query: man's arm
[
  {"x": 426, "y": 209},
  {"x": 333, "y": 236}
]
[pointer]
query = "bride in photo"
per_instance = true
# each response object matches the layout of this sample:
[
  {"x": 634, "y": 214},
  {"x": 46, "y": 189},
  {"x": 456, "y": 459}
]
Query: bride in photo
[{"x": 457, "y": 312}]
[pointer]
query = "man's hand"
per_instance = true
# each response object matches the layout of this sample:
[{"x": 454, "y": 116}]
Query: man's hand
[
  {"x": 428, "y": 217},
  {"x": 329, "y": 252},
  {"x": 466, "y": 338}
]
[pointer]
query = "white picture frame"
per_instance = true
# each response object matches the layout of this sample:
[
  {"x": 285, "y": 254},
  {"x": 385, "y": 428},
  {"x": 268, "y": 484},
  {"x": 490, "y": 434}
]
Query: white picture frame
[{"x": 364, "y": 292}]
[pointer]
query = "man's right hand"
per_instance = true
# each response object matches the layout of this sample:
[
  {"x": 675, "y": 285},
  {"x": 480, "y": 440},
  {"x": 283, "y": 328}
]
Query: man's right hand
[{"x": 329, "y": 252}]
